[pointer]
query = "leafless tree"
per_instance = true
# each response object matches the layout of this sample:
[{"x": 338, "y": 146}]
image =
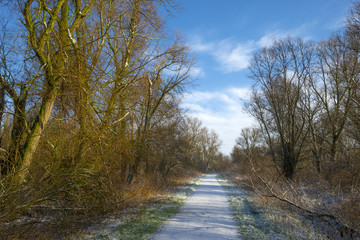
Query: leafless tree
[
  {"x": 335, "y": 89},
  {"x": 281, "y": 72}
]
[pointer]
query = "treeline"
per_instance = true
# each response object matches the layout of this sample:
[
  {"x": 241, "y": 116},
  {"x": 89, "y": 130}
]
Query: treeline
[
  {"x": 306, "y": 101},
  {"x": 90, "y": 97}
]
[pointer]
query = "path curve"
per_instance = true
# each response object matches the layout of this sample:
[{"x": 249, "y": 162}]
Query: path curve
[{"x": 205, "y": 215}]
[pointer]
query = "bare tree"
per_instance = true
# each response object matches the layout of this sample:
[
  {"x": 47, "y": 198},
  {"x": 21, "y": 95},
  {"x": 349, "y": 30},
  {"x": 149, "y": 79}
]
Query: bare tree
[
  {"x": 50, "y": 34},
  {"x": 16, "y": 78},
  {"x": 352, "y": 43},
  {"x": 249, "y": 141},
  {"x": 335, "y": 89},
  {"x": 210, "y": 144},
  {"x": 281, "y": 72},
  {"x": 168, "y": 76}
]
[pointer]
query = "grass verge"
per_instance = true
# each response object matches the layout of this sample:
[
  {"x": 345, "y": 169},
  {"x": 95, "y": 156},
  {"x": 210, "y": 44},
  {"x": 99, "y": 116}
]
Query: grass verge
[{"x": 143, "y": 221}]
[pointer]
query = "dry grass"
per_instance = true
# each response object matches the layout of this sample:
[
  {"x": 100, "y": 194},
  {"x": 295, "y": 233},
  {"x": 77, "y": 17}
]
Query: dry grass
[
  {"x": 141, "y": 221},
  {"x": 327, "y": 208},
  {"x": 70, "y": 211}
]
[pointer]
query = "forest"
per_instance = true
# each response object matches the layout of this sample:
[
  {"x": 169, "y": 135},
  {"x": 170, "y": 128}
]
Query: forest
[
  {"x": 305, "y": 148},
  {"x": 90, "y": 110},
  {"x": 91, "y": 118}
]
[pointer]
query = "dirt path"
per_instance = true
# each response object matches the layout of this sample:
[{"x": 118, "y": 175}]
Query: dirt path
[{"x": 206, "y": 215}]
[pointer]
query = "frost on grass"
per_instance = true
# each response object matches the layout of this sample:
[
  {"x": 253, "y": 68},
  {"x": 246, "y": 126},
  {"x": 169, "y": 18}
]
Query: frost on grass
[
  {"x": 147, "y": 219},
  {"x": 264, "y": 222}
]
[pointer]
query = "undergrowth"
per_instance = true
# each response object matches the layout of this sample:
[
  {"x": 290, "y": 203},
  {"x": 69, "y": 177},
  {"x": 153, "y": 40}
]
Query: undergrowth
[
  {"x": 143, "y": 221},
  {"x": 257, "y": 221}
]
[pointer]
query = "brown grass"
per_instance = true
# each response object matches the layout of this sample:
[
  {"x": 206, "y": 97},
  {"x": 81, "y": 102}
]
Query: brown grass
[
  {"x": 333, "y": 208},
  {"x": 49, "y": 221}
]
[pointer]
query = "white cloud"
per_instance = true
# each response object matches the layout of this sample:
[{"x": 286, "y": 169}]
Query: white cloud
[
  {"x": 221, "y": 111},
  {"x": 234, "y": 56},
  {"x": 193, "y": 107},
  {"x": 241, "y": 93},
  {"x": 197, "y": 72},
  {"x": 197, "y": 45},
  {"x": 231, "y": 56},
  {"x": 268, "y": 39}
]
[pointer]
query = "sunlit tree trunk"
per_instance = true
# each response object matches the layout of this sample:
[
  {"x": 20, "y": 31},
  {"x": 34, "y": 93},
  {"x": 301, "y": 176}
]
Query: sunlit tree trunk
[
  {"x": 19, "y": 126},
  {"x": 54, "y": 65}
]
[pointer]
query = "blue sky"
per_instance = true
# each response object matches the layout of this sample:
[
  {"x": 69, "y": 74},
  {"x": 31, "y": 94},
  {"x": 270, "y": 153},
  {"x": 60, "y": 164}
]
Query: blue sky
[{"x": 223, "y": 35}]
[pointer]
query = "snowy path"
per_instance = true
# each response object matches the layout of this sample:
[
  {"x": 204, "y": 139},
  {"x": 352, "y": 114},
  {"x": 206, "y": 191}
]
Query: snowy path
[{"x": 206, "y": 215}]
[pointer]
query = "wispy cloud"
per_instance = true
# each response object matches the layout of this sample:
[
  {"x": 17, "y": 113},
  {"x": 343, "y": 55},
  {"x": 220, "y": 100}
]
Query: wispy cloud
[
  {"x": 234, "y": 56},
  {"x": 197, "y": 45},
  {"x": 222, "y": 111},
  {"x": 197, "y": 72},
  {"x": 268, "y": 39},
  {"x": 336, "y": 24},
  {"x": 230, "y": 55}
]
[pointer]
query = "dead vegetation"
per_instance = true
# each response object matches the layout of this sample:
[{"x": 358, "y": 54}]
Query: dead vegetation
[
  {"x": 52, "y": 221},
  {"x": 332, "y": 211}
]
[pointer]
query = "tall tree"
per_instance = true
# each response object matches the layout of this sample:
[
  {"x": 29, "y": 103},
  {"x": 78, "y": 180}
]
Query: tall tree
[
  {"x": 281, "y": 72},
  {"x": 50, "y": 28},
  {"x": 334, "y": 88}
]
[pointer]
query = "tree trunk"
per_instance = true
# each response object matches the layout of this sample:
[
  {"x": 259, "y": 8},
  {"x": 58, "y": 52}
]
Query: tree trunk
[
  {"x": 133, "y": 170},
  {"x": 2, "y": 105},
  {"x": 289, "y": 160},
  {"x": 316, "y": 153},
  {"x": 318, "y": 164},
  {"x": 17, "y": 135},
  {"x": 2, "y": 108},
  {"x": 37, "y": 129}
]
